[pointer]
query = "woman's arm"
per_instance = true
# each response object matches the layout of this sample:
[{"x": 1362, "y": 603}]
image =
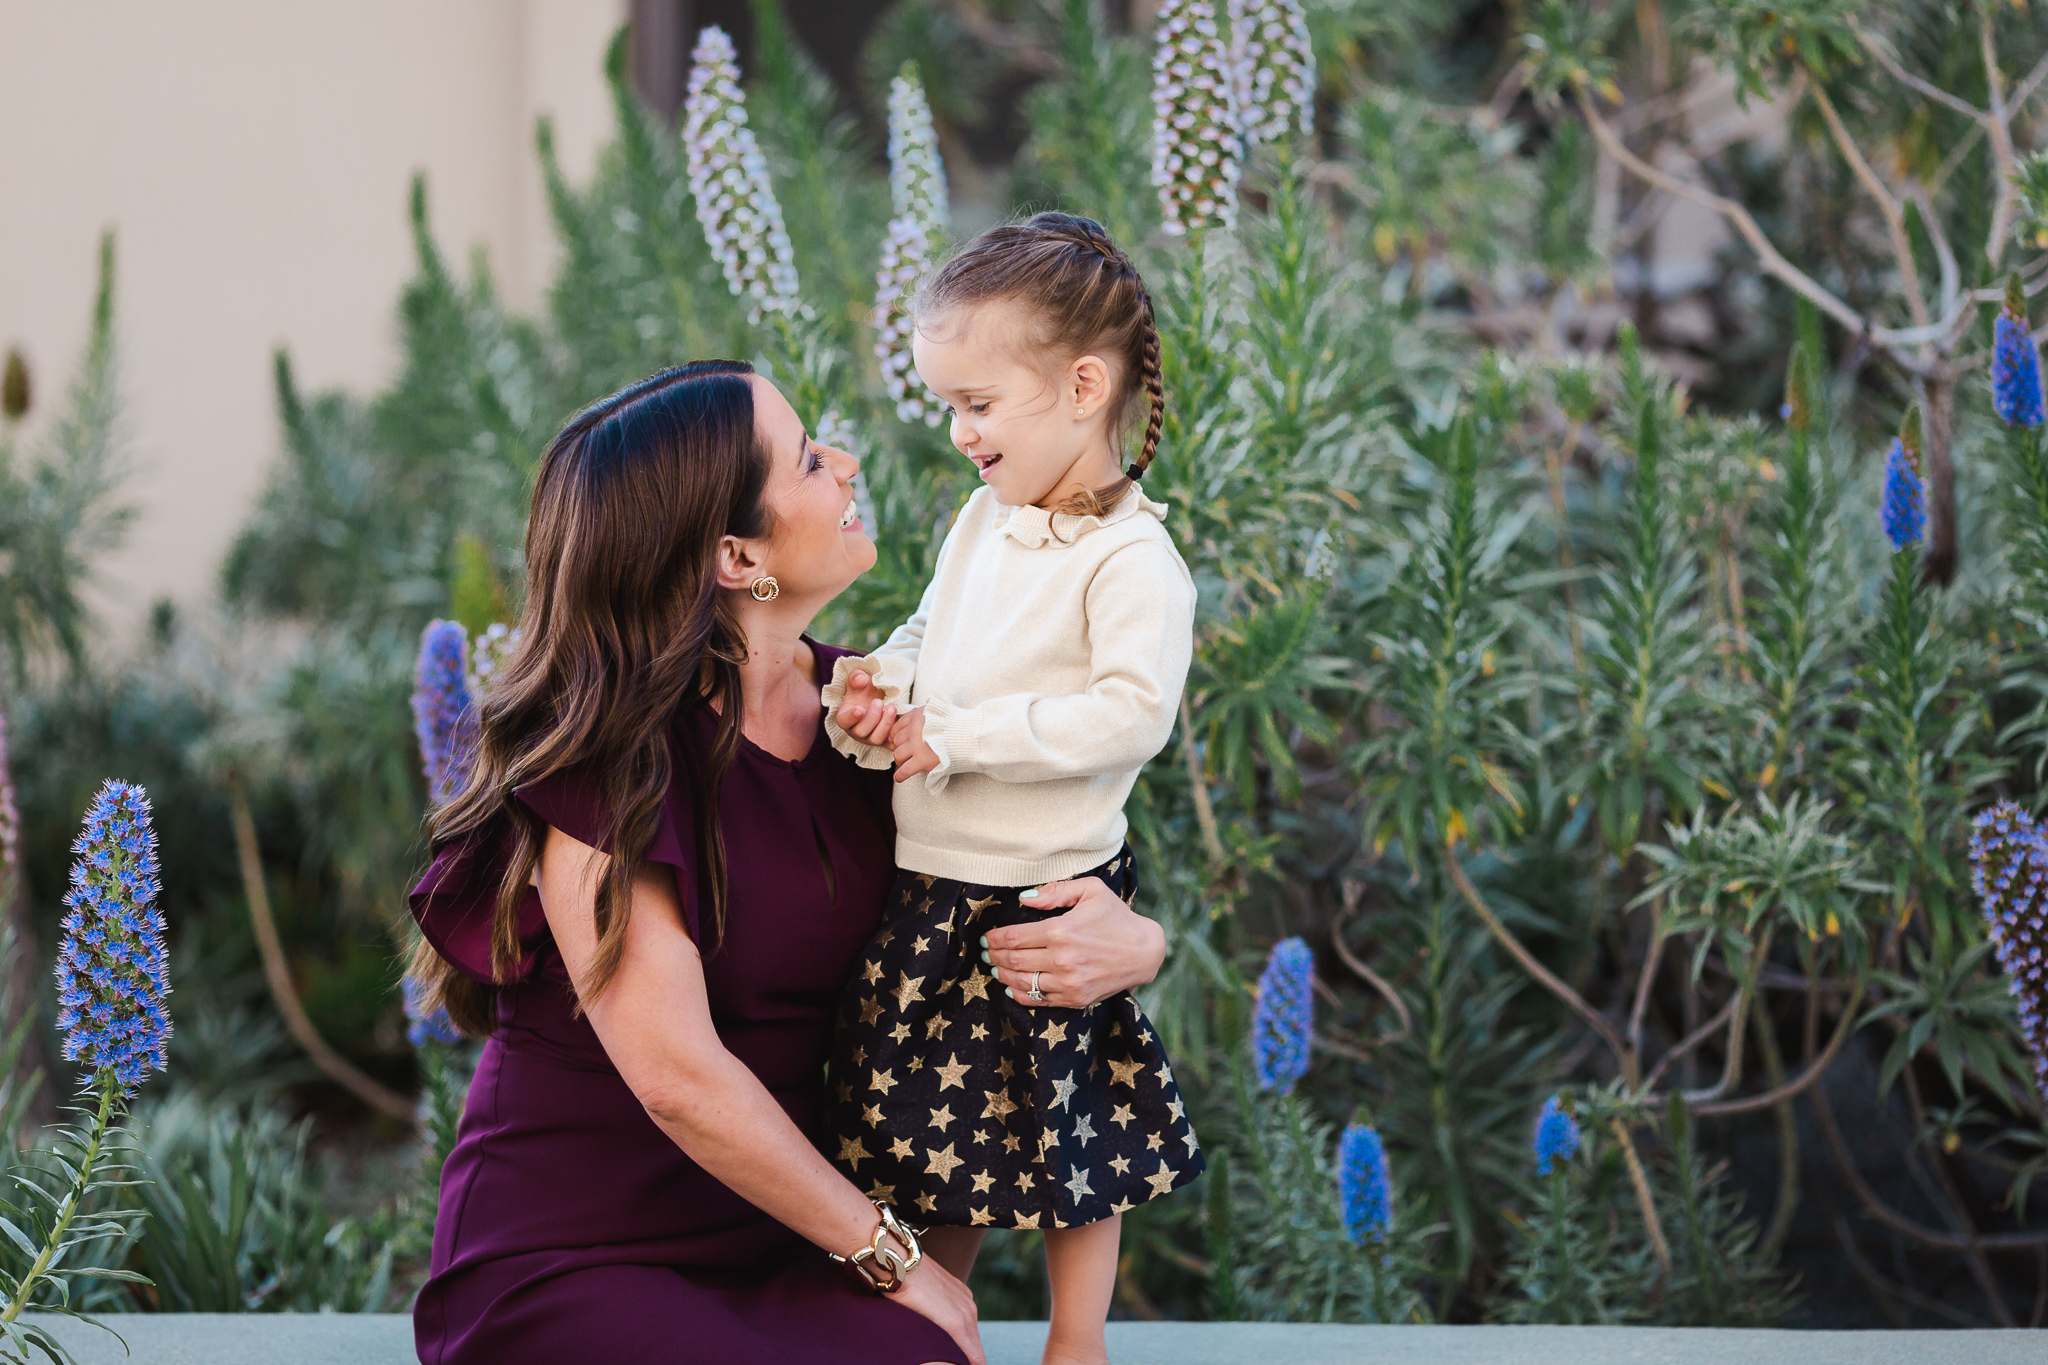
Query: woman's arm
[
  {"x": 1096, "y": 949},
  {"x": 654, "y": 1021}
]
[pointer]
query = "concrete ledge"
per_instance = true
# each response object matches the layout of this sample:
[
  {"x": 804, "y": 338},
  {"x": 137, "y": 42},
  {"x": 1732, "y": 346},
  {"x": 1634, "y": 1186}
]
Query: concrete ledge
[{"x": 386, "y": 1339}]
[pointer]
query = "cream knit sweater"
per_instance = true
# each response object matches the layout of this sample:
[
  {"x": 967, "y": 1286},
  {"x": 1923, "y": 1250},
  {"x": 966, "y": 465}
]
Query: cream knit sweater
[{"x": 1048, "y": 654}]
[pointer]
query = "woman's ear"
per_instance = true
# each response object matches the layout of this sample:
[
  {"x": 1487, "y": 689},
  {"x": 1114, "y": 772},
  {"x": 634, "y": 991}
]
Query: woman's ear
[
  {"x": 739, "y": 563},
  {"x": 1088, "y": 384}
]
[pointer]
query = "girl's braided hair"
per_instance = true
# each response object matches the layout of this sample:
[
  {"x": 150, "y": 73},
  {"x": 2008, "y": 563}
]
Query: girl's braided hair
[{"x": 1083, "y": 296}]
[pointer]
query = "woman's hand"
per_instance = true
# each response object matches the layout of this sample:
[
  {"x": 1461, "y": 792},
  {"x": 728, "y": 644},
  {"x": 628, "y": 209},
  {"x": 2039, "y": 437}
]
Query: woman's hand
[
  {"x": 934, "y": 1293},
  {"x": 863, "y": 714},
  {"x": 1096, "y": 949}
]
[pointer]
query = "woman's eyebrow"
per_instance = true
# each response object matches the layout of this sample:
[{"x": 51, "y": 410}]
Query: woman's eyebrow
[{"x": 803, "y": 446}]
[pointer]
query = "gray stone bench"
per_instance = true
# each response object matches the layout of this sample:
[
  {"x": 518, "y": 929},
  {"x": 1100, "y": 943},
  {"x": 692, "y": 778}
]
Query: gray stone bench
[{"x": 386, "y": 1339}]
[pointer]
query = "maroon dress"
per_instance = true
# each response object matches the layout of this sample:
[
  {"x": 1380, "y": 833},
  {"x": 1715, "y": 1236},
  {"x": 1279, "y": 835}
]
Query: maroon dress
[{"x": 570, "y": 1227}]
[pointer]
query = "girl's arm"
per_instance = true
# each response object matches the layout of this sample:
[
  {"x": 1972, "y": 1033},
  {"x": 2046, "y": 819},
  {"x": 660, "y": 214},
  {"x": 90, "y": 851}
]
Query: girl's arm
[
  {"x": 858, "y": 716},
  {"x": 654, "y": 1021},
  {"x": 1141, "y": 613}
]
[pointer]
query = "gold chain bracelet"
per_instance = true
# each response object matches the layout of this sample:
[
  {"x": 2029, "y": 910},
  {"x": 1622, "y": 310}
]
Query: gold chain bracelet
[{"x": 864, "y": 1262}]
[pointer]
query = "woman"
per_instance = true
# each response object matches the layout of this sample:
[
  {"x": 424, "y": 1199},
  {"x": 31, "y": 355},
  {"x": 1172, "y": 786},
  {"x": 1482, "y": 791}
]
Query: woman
[{"x": 650, "y": 892}]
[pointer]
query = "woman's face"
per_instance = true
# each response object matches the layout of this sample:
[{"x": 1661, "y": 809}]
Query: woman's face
[{"x": 816, "y": 545}]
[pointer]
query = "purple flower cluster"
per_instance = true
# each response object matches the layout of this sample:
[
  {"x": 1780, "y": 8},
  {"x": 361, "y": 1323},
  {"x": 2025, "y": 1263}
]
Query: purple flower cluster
[
  {"x": 112, "y": 972},
  {"x": 2015, "y": 362},
  {"x": 441, "y": 714},
  {"x": 1363, "y": 1186},
  {"x": 1904, "y": 508},
  {"x": 1284, "y": 1017},
  {"x": 1557, "y": 1136},
  {"x": 423, "y": 1025},
  {"x": 2009, "y": 868}
]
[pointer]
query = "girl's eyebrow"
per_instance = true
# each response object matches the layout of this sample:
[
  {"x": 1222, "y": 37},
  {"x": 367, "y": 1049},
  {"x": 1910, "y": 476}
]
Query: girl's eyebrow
[{"x": 803, "y": 446}]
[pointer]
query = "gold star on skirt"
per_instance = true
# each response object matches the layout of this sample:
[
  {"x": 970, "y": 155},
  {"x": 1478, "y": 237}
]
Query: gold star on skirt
[{"x": 1082, "y": 1115}]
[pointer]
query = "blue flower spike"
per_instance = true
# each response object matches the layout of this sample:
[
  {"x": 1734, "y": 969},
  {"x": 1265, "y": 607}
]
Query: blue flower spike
[
  {"x": 441, "y": 713},
  {"x": 1285, "y": 1016},
  {"x": 1557, "y": 1136},
  {"x": 423, "y": 1025},
  {"x": 112, "y": 970},
  {"x": 1904, "y": 506},
  {"x": 2009, "y": 869},
  {"x": 2015, "y": 361},
  {"x": 1363, "y": 1186}
]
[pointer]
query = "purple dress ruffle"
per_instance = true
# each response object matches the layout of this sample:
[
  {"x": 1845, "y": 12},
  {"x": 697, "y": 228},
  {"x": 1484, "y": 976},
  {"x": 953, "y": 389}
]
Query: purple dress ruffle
[{"x": 570, "y": 1227}]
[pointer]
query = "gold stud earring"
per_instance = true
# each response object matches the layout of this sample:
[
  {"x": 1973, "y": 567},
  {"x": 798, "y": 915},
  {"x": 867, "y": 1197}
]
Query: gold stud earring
[{"x": 765, "y": 589}]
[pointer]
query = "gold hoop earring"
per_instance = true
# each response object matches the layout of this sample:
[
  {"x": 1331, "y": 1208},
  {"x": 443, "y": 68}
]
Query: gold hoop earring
[{"x": 765, "y": 589}]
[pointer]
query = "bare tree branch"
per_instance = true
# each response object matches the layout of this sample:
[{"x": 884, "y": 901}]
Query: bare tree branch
[
  {"x": 1691, "y": 1040},
  {"x": 338, "y": 1068},
  {"x": 1915, "y": 83},
  {"x": 1367, "y": 974},
  {"x": 1550, "y": 981},
  {"x": 1997, "y": 125},
  {"x": 1772, "y": 260},
  {"x": 1894, "y": 217},
  {"x": 1892, "y": 1218},
  {"x": 1779, "y": 1093},
  {"x": 1648, "y": 1206}
]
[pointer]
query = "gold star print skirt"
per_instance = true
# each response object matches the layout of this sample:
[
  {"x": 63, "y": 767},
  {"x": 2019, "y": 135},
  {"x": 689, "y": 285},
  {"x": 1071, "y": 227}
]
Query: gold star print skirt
[{"x": 962, "y": 1107}]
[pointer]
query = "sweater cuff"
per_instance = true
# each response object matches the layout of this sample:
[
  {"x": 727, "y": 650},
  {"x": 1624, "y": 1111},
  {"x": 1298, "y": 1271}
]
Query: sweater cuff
[
  {"x": 950, "y": 733},
  {"x": 833, "y": 694}
]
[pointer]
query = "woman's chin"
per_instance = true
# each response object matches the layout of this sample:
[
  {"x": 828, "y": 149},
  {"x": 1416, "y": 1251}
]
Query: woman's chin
[{"x": 860, "y": 550}]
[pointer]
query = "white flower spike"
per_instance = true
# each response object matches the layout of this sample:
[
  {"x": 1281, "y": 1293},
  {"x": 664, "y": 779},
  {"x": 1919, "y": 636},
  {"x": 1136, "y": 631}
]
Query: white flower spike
[
  {"x": 1273, "y": 69},
  {"x": 1197, "y": 152},
  {"x": 729, "y": 181},
  {"x": 917, "y": 234}
]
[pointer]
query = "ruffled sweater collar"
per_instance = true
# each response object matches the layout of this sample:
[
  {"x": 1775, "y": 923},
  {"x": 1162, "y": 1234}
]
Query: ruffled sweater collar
[{"x": 1035, "y": 527}]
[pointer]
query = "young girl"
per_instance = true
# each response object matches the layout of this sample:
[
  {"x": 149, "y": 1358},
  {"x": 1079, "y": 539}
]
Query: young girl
[{"x": 1043, "y": 669}]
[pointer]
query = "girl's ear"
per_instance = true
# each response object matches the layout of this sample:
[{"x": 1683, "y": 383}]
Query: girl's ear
[
  {"x": 1087, "y": 384},
  {"x": 739, "y": 563}
]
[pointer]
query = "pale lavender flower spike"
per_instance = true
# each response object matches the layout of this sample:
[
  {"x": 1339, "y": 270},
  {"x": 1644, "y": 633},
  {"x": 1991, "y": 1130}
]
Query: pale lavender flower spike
[
  {"x": 2009, "y": 870},
  {"x": 1197, "y": 152},
  {"x": 10, "y": 822},
  {"x": 917, "y": 234},
  {"x": 729, "y": 181},
  {"x": 1273, "y": 67}
]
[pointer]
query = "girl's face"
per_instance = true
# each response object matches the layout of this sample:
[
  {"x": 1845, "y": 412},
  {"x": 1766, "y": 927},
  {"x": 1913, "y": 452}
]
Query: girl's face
[
  {"x": 1036, "y": 439},
  {"x": 817, "y": 545}
]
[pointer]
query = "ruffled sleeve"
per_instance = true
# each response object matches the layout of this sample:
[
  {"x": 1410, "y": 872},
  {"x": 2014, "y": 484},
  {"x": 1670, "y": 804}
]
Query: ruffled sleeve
[
  {"x": 833, "y": 694},
  {"x": 453, "y": 903}
]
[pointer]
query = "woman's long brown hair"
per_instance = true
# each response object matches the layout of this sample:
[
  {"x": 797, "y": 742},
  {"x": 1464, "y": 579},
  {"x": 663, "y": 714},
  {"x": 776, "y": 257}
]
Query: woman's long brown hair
[{"x": 624, "y": 628}]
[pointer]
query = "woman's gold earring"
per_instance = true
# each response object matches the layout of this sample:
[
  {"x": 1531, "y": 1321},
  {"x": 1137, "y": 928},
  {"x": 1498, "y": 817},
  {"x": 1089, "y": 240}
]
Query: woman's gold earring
[{"x": 765, "y": 589}]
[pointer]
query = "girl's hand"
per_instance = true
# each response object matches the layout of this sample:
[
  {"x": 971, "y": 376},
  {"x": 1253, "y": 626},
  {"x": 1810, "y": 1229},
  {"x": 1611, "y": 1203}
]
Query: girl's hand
[
  {"x": 1096, "y": 949},
  {"x": 863, "y": 714},
  {"x": 935, "y": 1294},
  {"x": 913, "y": 755}
]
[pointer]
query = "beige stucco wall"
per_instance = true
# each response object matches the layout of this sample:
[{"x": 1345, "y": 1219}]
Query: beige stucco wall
[{"x": 253, "y": 158}]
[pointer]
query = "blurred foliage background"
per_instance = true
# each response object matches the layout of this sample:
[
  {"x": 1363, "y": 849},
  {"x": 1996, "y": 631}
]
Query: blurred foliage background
[{"x": 1555, "y": 682}]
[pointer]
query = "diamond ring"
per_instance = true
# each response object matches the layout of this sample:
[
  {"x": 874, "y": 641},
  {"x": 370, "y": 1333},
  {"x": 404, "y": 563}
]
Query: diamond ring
[{"x": 1034, "y": 992}]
